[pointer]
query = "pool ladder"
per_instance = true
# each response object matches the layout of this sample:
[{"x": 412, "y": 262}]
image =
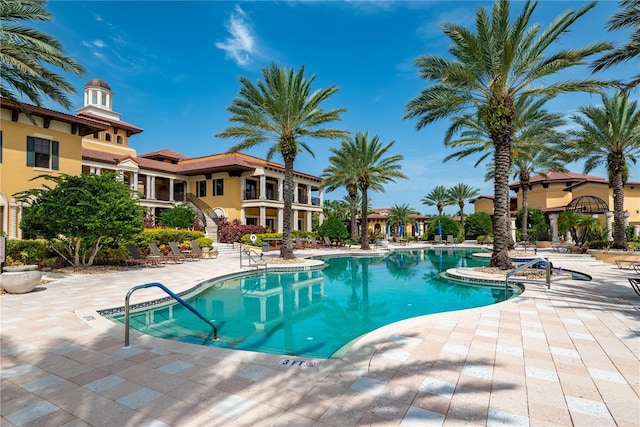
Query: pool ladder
[
  {"x": 214, "y": 330},
  {"x": 255, "y": 257},
  {"x": 529, "y": 264}
]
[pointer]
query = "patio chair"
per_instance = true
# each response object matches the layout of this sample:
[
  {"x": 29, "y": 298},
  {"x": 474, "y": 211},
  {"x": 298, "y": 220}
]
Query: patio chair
[
  {"x": 314, "y": 242},
  {"x": 450, "y": 239},
  {"x": 437, "y": 239},
  {"x": 189, "y": 256},
  {"x": 299, "y": 244},
  {"x": 206, "y": 252},
  {"x": 327, "y": 242},
  {"x": 136, "y": 259},
  {"x": 170, "y": 257},
  {"x": 635, "y": 284}
]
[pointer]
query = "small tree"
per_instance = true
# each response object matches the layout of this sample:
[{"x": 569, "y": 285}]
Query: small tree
[
  {"x": 180, "y": 216},
  {"x": 448, "y": 224},
  {"x": 334, "y": 229},
  {"x": 83, "y": 212},
  {"x": 478, "y": 224}
]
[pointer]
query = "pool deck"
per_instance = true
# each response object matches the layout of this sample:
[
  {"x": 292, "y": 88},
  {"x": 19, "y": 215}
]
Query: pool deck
[{"x": 565, "y": 356}]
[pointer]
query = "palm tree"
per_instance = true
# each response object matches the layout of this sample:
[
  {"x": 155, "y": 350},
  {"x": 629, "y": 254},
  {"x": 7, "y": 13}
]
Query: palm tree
[
  {"x": 459, "y": 193},
  {"x": 535, "y": 137},
  {"x": 339, "y": 174},
  {"x": 27, "y": 56},
  {"x": 372, "y": 170},
  {"x": 282, "y": 109},
  {"x": 609, "y": 134},
  {"x": 491, "y": 69},
  {"x": 628, "y": 16},
  {"x": 400, "y": 214},
  {"x": 438, "y": 197}
]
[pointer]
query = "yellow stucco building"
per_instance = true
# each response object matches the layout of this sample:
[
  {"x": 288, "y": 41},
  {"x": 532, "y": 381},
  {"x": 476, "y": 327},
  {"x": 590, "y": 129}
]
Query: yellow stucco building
[
  {"x": 554, "y": 192},
  {"x": 96, "y": 140}
]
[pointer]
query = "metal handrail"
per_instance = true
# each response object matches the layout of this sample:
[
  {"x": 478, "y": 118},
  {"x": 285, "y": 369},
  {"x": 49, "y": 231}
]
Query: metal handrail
[
  {"x": 250, "y": 252},
  {"x": 203, "y": 207},
  {"x": 214, "y": 329},
  {"x": 529, "y": 264}
]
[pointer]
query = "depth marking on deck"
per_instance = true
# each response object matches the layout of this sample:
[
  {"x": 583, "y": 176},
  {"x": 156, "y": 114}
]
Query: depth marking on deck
[{"x": 299, "y": 363}]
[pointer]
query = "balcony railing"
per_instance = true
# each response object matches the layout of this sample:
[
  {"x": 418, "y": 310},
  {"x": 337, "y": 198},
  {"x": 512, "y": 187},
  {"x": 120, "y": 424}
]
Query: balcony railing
[{"x": 315, "y": 201}]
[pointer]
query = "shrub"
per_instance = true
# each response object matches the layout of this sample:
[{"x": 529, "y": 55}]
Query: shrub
[
  {"x": 334, "y": 229},
  {"x": 449, "y": 226},
  {"x": 231, "y": 232},
  {"x": 598, "y": 244},
  {"x": 478, "y": 224},
  {"x": 180, "y": 216}
]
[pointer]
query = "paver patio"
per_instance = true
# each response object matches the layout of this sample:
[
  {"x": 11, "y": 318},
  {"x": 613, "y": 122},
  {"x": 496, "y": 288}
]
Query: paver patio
[{"x": 564, "y": 356}]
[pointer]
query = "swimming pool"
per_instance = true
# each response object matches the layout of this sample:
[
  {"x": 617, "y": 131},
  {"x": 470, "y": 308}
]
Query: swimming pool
[{"x": 315, "y": 313}]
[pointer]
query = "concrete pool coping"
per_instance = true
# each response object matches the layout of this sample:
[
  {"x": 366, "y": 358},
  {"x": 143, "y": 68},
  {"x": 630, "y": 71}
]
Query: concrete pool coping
[{"x": 565, "y": 356}]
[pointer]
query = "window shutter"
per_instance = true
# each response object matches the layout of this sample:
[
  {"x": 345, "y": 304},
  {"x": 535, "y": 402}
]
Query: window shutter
[
  {"x": 54, "y": 155},
  {"x": 31, "y": 154}
]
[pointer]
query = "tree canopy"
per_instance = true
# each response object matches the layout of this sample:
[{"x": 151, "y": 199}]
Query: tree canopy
[{"x": 83, "y": 211}]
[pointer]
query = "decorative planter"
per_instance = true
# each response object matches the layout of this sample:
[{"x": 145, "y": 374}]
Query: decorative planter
[{"x": 20, "y": 279}]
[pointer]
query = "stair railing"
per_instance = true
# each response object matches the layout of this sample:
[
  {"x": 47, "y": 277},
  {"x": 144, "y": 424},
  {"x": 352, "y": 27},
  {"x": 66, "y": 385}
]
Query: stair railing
[{"x": 214, "y": 330}]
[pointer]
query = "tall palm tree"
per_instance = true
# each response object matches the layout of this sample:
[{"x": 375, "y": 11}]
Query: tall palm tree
[
  {"x": 459, "y": 193},
  {"x": 438, "y": 197},
  {"x": 609, "y": 135},
  {"x": 28, "y": 55},
  {"x": 401, "y": 214},
  {"x": 372, "y": 170},
  {"x": 534, "y": 144},
  {"x": 627, "y": 17},
  {"x": 281, "y": 109},
  {"x": 505, "y": 59},
  {"x": 339, "y": 174}
]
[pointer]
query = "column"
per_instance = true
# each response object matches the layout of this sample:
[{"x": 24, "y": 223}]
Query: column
[
  {"x": 609, "y": 221},
  {"x": 13, "y": 219},
  {"x": 243, "y": 186},
  {"x": 263, "y": 215},
  {"x": 294, "y": 220},
  {"x": 308, "y": 194},
  {"x": 148, "y": 187},
  {"x": 120, "y": 176},
  {"x": 321, "y": 197},
  {"x": 171, "y": 195},
  {"x": 636, "y": 230},
  {"x": 153, "y": 187},
  {"x": 626, "y": 218},
  {"x": 553, "y": 219},
  {"x": 513, "y": 229},
  {"x": 263, "y": 188},
  {"x": 134, "y": 181},
  {"x": 280, "y": 220},
  {"x": 309, "y": 220},
  {"x": 92, "y": 169},
  {"x": 243, "y": 218},
  {"x": 281, "y": 193}
]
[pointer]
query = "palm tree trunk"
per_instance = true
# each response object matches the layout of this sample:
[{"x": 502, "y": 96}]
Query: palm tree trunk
[
  {"x": 501, "y": 223},
  {"x": 286, "y": 250},
  {"x": 619, "y": 236},
  {"x": 364, "y": 227},
  {"x": 524, "y": 186},
  {"x": 353, "y": 195}
]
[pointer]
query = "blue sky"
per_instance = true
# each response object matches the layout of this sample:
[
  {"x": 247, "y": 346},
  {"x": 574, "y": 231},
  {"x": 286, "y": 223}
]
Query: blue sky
[{"x": 174, "y": 68}]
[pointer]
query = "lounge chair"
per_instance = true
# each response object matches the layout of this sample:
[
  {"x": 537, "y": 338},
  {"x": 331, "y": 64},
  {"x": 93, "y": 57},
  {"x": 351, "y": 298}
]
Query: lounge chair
[
  {"x": 437, "y": 239},
  {"x": 299, "y": 244},
  {"x": 450, "y": 240},
  {"x": 626, "y": 263},
  {"x": 190, "y": 256},
  {"x": 171, "y": 257},
  {"x": 314, "y": 242},
  {"x": 206, "y": 252},
  {"x": 327, "y": 242},
  {"x": 136, "y": 258},
  {"x": 635, "y": 284}
]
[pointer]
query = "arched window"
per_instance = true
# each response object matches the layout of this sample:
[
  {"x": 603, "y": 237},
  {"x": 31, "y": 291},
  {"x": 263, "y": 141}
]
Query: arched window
[
  {"x": 107, "y": 136},
  {"x": 120, "y": 139}
]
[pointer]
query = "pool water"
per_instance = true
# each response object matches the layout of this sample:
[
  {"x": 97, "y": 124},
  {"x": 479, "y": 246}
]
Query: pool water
[{"x": 315, "y": 313}]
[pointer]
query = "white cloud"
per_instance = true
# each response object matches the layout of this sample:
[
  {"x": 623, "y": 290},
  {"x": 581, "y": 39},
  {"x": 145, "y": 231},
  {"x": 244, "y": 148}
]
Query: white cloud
[
  {"x": 99, "y": 43},
  {"x": 240, "y": 46}
]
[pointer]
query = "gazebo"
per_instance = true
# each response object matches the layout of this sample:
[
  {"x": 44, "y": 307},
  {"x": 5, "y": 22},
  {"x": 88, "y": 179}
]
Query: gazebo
[{"x": 588, "y": 205}]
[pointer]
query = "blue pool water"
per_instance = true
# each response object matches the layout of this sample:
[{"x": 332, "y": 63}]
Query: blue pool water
[{"x": 315, "y": 313}]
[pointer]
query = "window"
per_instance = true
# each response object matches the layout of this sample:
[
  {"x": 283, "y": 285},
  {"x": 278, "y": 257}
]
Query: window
[
  {"x": 120, "y": 139},
  {"x": 96, "y": 135},
  {"x": 250, "y": 190},
  {"x": 219, "y": 187},
  {"x": 42, "y": 153},
  {"x": 201, "y": 188},
  {"x": 107, "y": 137},
  {"x": 252, "y": 221}
]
